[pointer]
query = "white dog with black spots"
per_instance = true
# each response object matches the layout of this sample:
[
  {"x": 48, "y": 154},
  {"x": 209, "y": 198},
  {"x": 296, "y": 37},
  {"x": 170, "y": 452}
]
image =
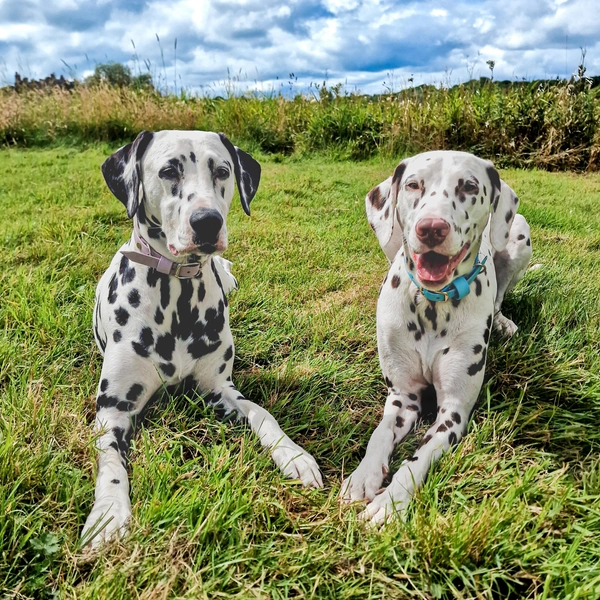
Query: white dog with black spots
[
  {"x": 161, "y": 316},
  {"x": 450, "y": 230}
]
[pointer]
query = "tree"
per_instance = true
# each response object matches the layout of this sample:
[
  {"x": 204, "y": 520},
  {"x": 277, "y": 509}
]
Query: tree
[{"x": 119, "y": 75}]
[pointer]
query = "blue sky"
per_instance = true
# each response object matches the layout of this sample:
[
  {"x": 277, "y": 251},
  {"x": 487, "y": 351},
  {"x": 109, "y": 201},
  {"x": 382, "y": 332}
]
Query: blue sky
[{"x": 369, "y": 45}]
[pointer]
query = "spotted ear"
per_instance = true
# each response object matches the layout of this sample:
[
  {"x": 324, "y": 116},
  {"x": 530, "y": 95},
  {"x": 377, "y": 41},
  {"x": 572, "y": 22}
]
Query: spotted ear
[
  {"x": 504, "y": 204},
  {"x": 122, "y": 172},
  {"x": 247, "y": 173},
  {"x": 380, "y": 204}
]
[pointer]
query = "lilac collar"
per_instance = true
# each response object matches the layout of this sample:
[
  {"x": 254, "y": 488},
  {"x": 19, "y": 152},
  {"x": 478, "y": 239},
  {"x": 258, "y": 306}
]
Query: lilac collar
[{"x": 146, "y": 255}]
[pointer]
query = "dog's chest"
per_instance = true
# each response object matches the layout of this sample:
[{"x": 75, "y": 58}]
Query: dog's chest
[
  {"x": 172, "y": 322},
  {"x": 415, "y": 331}
]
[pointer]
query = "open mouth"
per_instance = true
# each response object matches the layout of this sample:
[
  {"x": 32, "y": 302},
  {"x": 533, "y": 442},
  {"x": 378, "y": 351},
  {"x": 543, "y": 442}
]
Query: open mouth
[{"x": 436, "y": 269}]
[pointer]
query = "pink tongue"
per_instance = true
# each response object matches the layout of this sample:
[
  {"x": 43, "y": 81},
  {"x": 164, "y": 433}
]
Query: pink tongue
[{"x": 431, "y": 270}]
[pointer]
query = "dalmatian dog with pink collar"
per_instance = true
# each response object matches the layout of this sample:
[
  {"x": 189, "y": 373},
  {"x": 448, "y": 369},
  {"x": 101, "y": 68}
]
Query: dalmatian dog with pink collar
[
  {"x": 450, "y": 230},
  {"x": 161, "y": 317}
]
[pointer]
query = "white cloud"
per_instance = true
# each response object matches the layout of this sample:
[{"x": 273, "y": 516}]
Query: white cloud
[{"x": 361, "y": 42}]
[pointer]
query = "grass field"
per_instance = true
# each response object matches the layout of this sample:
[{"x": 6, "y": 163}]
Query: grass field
[{"x": 513, "y": 512}]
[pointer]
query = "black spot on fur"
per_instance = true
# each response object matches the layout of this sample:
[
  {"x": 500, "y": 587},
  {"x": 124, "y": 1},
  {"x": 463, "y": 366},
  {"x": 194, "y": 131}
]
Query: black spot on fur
[
  {"x": 395, "y": 281},
  {"x": 115, "y": 481},
  {"x": 477, "y": 348},
  {"x": 112, "y": 288},
  {"x": 441, "y": 428},
  {"x": 117, "y": 335},
  {"x": 452, "y": 438},
  {"x": 376, "y": 199},
  {"x": 201, "y": 291},
  {"x": 448, "y": 423},
  {"x": 167, "y": 368},
  {"x": 431, "y": 314},
  {"x": 413, "y": 407},
  {"x": 134, "y": 392},
  {"x": 521, "y": 236},
  {"x": 418, "y": 335},
  {"x": 121, "y": 316},
  {"x": 508, "y": 216},
  {"x": 413, "y": 308},
  {"x": 528, "y": 241},
  {"x": 103, "y": 385},
  {"x": 446, "y": 350},
  {"x": 165, "y": 345},
  {"x": 476, "y": 367},
  {"x": 399, "y": 422},
  {"x": 222, "y": 367},
  {"x": 456, "y": 418},
  {"x": 192, "y": 157},
  {"x": 134, "y": 298},
  {"x": 140, "y": 349},
  {"x": 424, "y": 441},
  {"x": 412, "y": 397},
  {"x": 444, "y": 332},
  {"x": 228, "y": 353},
  {"x": 127, "y": 273},
  {"x": 397, "y": 403},
  {"x": 477, "y": 287},
  {"x": 159, "y": 317}
]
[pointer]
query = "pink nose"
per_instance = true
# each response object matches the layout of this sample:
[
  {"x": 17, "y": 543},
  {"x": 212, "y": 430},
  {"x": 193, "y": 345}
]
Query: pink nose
[{"x": 432, "y": 231}]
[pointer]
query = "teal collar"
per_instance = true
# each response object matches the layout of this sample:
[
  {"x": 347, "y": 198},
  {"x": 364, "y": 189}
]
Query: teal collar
[{"x": 456, "y": 289}]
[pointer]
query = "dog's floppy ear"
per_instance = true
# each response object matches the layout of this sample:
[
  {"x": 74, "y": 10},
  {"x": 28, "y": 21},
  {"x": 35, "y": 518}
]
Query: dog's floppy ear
[
  {"x": 381, "y": 203},
  {"x": 247, "y": 173},
  {"x": 122, "y": 172},
  {"x": 504, "y": 203}
]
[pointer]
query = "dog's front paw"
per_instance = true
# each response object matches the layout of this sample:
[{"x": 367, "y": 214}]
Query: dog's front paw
[
  {"x": 296, "y": 463},
  {"x": 384, "y": 507},
  {"x": 109, "y": 519},
  {"x": 364, "y": 483},
  {"x": 504, "y": 326}
]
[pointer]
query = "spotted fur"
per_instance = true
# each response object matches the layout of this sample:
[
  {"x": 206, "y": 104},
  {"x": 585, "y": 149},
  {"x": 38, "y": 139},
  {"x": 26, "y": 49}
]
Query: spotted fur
[
  {"x": 416, "y": 352},
  {"x": 159, "y": 332}
]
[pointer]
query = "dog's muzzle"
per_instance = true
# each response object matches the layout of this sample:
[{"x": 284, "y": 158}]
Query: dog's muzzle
[{"x": 206, "y": 225}]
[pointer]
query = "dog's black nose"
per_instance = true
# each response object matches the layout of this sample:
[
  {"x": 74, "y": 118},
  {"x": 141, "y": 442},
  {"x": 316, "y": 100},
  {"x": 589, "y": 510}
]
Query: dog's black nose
[{"x": 206, "y": 224}]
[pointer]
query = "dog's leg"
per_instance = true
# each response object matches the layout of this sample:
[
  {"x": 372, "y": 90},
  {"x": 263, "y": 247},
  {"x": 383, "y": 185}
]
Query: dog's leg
[
  {"x": 458, "y": 379},
  {"x": 510, "y": 265},
  {"x": 399, "y": 416},
  {"x": 126, "y": 384},
  {"x": 295, "y": 462}
]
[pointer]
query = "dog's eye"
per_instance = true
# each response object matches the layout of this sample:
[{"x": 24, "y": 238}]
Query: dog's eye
[
  {"x": 412, "y": 185},
  {"x": 169, "y": 172},
  {"x": 222, "y": 173},
  {"x": 471, "y": 188}
]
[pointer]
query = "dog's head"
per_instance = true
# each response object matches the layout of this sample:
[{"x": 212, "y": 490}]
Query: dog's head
[
  {"x": 437, "y": 205},
  {"x": 180, "y": 185}
]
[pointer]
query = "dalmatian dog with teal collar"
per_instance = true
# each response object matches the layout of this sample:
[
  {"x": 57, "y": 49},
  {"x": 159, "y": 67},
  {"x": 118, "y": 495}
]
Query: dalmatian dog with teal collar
[
  {"x": 450, "y": 230},
  {"x": 161, "y": 317}
]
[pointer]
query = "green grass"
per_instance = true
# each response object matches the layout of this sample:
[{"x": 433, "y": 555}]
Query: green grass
[
  {"x": 514, "y": 512},
  {"x": 546, "y": 124}
]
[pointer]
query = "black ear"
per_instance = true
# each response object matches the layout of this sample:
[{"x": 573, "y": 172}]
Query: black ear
[
  {"x": 247, "y": 173},
  {"x": 122, "y": 172}
]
